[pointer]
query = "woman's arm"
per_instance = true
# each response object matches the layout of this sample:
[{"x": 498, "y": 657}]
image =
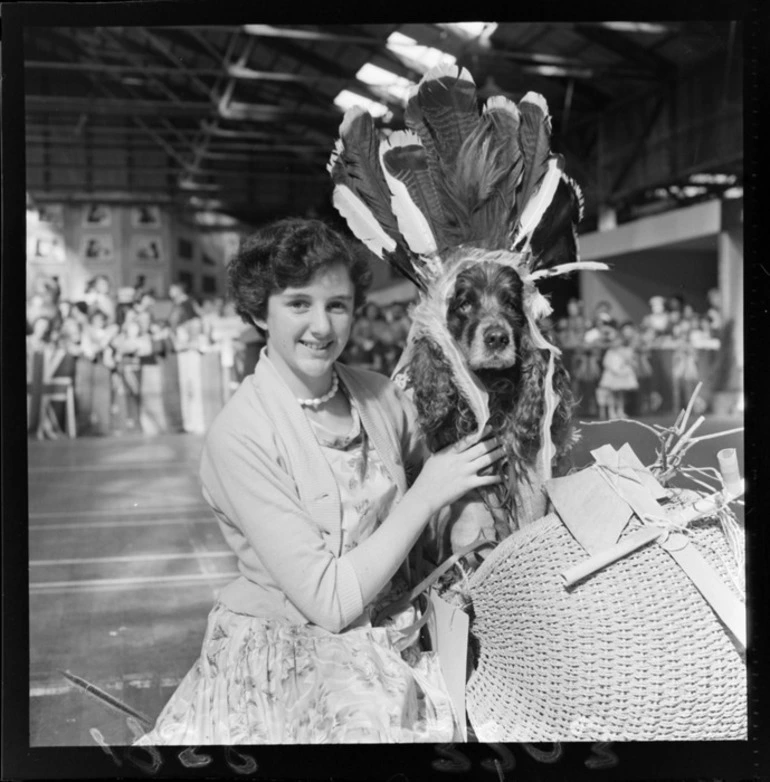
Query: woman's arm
[{"x": 243, "y": 481}]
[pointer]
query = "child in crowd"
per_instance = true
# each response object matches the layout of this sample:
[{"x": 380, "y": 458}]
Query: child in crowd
[{"x": 618, "y": 376}]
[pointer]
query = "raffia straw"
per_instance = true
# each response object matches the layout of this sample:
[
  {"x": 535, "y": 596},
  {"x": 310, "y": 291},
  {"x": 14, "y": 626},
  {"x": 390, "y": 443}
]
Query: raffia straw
[
  {"x": 673, "y": 432},
  {"x": 716, "y": 434},
  {"x": 685, "y": 437},
  {"x": 690, "y": 405}
]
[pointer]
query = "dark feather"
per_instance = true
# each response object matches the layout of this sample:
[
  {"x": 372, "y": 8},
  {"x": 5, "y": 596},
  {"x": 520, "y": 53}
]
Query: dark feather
[
  {"x": 554, "y": 241},
  {"x": 357, "y": 165},
  {"x": 409, "y": 164},
  {"x": 488, "y": 168},
  {"x": 534, "y": 139},
  {"x": 404, "y": 262},
  {"x": 448, "y": 107}
]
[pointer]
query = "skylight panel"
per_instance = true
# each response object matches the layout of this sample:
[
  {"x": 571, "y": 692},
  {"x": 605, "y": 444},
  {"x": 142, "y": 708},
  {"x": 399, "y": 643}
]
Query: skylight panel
[
  {"x": 422, "y": 58},
  {"x": 346, "y": 99},
  {"x": 394, "y": 87}
]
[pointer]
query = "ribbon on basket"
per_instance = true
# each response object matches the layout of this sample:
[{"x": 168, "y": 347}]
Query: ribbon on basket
[{"x": 597, "y": 503}]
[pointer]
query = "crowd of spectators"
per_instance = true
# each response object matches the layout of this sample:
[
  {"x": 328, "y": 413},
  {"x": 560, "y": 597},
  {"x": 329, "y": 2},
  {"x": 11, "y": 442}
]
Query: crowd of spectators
[
  {"x": 103, "y": 337},
  {"x": 611, "y": 360}
]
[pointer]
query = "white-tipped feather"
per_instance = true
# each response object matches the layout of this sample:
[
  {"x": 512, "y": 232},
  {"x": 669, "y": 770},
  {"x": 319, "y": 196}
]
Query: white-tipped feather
[
  {"x": 539, "y": 202},
  {"x": 361, "y": 221},
  {"x": 501, "y": 103},
  {"x": 538, "y": 100},
  {"x": 566, "y": 268},
  {"x": 412, "y": 223},
  {"x": 539, "y": 306},
  {"x": 447, "y": 70}
]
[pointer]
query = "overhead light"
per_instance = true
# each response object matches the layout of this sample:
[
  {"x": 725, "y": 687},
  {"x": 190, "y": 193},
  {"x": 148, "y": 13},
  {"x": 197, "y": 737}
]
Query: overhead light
[
  {"x": 636, "y": 27},
  {"x": 481, "y": 30},
  {"x": 421, "y": 58},
  {"x": 713, "y": 179},
  {"x": 733, "y": 192},
  {"x": 189, "y": 184},
  {"x": 395, "y": 87},
  {"x": 214, "y": 219},
  {"x": 347, "y": 99},
  {"x": 558, "y": 70}
]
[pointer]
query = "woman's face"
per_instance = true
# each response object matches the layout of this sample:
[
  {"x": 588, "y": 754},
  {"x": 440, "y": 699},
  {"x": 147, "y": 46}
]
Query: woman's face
[
  {"x": 308, "y": 328},
  {"x": 102, "y": 285}
]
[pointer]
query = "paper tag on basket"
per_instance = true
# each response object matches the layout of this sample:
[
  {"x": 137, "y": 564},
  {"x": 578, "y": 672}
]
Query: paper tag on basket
[
  {"x": 448, "y": 628},
  {"x": 630, "y": 479},
  {"x": 590, "y": 509}
]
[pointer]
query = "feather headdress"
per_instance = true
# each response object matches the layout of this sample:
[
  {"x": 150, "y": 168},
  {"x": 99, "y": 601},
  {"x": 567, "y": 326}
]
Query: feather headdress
[{"x": 457, "y": 181}]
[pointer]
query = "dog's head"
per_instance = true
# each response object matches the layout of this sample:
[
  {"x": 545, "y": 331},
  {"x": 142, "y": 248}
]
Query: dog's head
[{"x": 485, "y": 315}]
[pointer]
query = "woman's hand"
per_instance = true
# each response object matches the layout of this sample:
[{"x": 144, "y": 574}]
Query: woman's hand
[{"x": 454, "y": 471}]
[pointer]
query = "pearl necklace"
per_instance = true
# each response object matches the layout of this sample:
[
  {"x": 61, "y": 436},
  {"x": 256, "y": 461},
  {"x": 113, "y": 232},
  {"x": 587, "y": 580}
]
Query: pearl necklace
[{"x": 318, "y": 401}]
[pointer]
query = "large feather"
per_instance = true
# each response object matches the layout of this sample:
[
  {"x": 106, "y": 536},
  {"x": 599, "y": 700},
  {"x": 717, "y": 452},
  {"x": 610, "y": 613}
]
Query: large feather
[
  {"x": 362, "y": 221},
  {"x": 355, "y": 163},
  {"x": 488, "y": 168},
  {"x": 415, "y": 200},
  {"x": 567, "y": 268},
  {"x": 535, "y": 207},
  {"x": 534, "y": 138},
  {"x": 366, "y": 198},
  {"x": 554, "y": 240},
  {"x": 447, "y": 102}
]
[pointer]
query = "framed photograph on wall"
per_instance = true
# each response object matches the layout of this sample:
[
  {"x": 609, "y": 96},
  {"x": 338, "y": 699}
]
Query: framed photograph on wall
[
  {"x": 147, "y": 249},
  {"x": 97, "y": 215},
  {"x": 145, "y": 217},
  {"x": 45, "y": 247},
  {"x": 51, "y": 214},
  {"x": 97, "y": 248}
]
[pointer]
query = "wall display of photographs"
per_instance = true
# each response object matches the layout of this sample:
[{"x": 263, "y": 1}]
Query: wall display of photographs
[
  {"x": 145, "y": 217},
  {"x": 51, "y": 214},
  {"x": 45, "y": 247},
  {"x": 151, "y": 282},
  {"x": 147, "y": 249},
  {"x": 97, "y": 248},
  {"x": 97, "y": 215}
]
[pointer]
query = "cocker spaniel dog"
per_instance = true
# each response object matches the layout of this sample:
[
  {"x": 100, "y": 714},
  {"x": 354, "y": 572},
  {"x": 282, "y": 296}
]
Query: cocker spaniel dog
[{"x": 485, "y": 316}]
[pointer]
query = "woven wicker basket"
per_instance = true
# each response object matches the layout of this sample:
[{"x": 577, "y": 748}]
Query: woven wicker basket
[{"x": 632, "y": 653}]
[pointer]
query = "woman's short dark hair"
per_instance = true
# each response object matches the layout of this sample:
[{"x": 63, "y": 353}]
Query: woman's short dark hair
[{"x": 288, "y": 253}]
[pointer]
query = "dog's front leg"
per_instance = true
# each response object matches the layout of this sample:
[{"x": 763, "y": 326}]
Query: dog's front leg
[{"x": 470, "y": 519}]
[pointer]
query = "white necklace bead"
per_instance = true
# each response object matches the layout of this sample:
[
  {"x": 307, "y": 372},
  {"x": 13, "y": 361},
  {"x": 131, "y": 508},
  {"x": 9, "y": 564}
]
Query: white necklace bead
[{"x": 318, "y": 401}]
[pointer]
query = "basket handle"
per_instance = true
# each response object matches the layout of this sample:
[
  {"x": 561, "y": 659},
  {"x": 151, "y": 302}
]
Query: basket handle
[{"x": 429, "y": 580}]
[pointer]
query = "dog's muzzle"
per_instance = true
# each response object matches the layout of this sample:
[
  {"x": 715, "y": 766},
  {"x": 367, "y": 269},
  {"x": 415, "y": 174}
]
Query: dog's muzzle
[{"x": 493, "y": 347}]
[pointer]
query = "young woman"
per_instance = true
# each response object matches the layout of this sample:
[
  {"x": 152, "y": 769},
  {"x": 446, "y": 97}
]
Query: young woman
[{"x": 306, "y": 469}]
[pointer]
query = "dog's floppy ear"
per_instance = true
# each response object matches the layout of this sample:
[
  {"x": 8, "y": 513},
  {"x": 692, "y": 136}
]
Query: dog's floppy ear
[
  {"x": 531, "y": 401},
  {"x": 438, "y": 402}
]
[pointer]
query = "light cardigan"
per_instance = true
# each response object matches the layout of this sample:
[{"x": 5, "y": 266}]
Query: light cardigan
[{"x": 276, "y": 499}]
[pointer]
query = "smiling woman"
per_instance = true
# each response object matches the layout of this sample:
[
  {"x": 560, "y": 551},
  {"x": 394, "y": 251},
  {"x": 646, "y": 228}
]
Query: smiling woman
[{"x": 306, "y": 471}]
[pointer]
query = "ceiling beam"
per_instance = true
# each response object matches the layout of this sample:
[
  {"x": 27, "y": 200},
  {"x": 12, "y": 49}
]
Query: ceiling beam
[
  {"x": 626, "y": 48},
  {"x": 155, "y": 70}
]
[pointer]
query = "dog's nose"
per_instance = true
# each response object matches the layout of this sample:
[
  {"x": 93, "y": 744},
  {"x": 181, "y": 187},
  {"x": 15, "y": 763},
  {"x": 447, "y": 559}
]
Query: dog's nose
[{"x": 496, "y": 338}]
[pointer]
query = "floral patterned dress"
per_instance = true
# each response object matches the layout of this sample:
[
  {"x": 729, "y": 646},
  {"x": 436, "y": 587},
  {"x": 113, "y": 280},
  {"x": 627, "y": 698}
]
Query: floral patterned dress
[{"x": 264, "y": 681}]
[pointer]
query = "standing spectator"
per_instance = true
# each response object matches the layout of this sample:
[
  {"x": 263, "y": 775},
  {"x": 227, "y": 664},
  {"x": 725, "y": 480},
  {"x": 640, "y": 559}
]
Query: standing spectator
[
  {"x": 655, "y": 323},
  {"x": 576, "y": 325},
  {"x": 131, "y": 345},
  {"x": 183, "y": 320},
  {"x": 618, "y": 377},
  {"x": 98, "y": 297}
]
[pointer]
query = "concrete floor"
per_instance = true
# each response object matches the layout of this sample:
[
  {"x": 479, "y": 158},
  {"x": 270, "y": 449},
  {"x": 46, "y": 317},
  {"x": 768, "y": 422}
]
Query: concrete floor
[{"x": 126, "y": 561}]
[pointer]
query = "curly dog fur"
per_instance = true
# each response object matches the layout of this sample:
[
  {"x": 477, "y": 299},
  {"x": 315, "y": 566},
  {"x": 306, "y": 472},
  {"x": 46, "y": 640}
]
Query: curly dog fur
[{"x": 486, "y": 318}]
